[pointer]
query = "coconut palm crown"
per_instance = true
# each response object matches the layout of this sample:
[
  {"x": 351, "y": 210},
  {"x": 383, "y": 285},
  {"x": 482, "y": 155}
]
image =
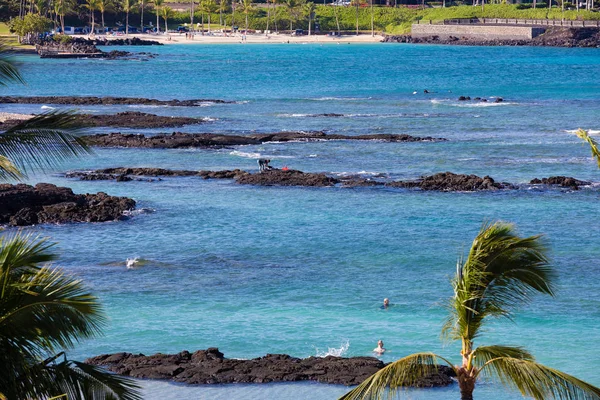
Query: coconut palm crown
[{"x": 501, "y": 272}]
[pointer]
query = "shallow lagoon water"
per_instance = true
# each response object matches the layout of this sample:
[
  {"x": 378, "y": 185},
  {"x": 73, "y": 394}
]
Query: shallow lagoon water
[{"x": 256, "y": 270}]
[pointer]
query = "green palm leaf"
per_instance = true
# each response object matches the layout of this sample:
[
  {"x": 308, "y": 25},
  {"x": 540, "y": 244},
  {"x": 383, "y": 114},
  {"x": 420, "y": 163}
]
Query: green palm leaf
[
  {"x": 42, "y": 310},
  {"x": 501, "y": 272},
  {"x": 583, "y": 134},
  {"x": 8, "y": 70},
  {"x": 484, "y": 354},
  {"x": 396, "y": 375},
  {"x": 42, "y": 142},
  {"x": 538, "y": 381}
]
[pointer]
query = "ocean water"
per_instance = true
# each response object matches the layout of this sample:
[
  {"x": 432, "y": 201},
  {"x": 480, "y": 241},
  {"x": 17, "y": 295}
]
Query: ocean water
[{"x": 302, "y": 271}]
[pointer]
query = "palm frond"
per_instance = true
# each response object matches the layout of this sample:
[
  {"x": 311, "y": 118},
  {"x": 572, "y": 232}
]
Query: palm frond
[
  {"x": 43, "y": 141},
  {"x": 584, "y": 135},
  {"x": 538, "y": 381},
  {"x": 396, "y": 375},
  {"x": 86, "y": 382},
  {"x": 483, "y": 354},
  {"x": 501, "y": 272},
  {"x": 8, "y": 70}
]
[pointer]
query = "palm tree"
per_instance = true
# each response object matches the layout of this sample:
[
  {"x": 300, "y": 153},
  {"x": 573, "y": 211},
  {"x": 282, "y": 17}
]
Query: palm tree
[
  {"x": 92, "y": 5},
  {"x": 42, "y": 311},
  {"x": 62, "y": 8},
  {"x": 309, "y": 9},
  {"x": 210, "y": 6},
  {"x": 294, "y": 8},
  {"x": 501, "y": 272},
  {"x": 232, "y": 15},
  {"x": 246, "y": 8},
  {"x": 222, "y": 9},
  {"x": 104, "y": 5},
  {"x": 142, "y": 15},
  {"x": 128, "y": 5},
  {"x": 157, "y": 6},
  {"x": 166, "y": 13}
]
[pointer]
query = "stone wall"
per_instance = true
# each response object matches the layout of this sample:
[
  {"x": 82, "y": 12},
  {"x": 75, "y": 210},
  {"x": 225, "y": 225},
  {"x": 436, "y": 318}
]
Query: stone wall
[{"x": 476, "y": 32}]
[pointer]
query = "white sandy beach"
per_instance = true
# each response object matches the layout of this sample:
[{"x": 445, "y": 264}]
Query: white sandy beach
[{"x": 218, "y": 38}]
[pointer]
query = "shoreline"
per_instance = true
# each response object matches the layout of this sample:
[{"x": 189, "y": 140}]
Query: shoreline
[{"x": 181, "y": 39}]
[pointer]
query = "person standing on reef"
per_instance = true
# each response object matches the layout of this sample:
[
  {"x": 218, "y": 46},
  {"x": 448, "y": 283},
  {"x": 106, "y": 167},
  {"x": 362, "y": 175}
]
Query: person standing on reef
[{"x": 379, "y": 349}]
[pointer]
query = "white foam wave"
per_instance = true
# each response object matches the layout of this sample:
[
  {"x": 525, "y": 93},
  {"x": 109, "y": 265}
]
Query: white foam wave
[
  {"x": 339, "y": 99},
  {"x": 293, "y": 115},
  {"x": 313, "y": 155},
  {"x": 209, "y": 119},
  {"x": 47, "y": 108},
  {"x": 333, "y": 351},
  {"x": 139, "y": 211},
  {"x": 132, "y": 262},
  {"x": 144, "y": 106},
  {"x": 245, "y": 154}
]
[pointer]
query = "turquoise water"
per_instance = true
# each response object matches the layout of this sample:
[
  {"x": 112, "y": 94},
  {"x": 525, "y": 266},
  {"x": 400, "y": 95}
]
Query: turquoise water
[{"x": 302, "y": 271}]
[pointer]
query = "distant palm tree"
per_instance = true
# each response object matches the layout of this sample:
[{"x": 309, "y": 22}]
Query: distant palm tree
[
  {"x": 166, "y": 13},
  {"x": 309, "y": 9},
  {"x": 92, "y": 5},
  {"x": 501, "y": 272},
  {"x": 210, "y": 6},
  {"x": 246, "y": 8},
  {"x": 294, "y": 10},
  {"x": 42, "y": 311},
  {"x": 128, "y": 6},
  {"x": 104, "y": 5},
  {"x": 233, "y": 3},
  {"x": 222, "y": 9},
  {"x": 157, "y": 6}
]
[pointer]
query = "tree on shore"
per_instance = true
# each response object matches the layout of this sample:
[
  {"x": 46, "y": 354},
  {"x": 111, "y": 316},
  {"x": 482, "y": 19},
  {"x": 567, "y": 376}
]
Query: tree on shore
[
  {"x": 294, "y": 8},
  {"x": 128, "y": 6},
  {"x": 157, "y": 7},
  {"x": 93, "y": 5},
  {"x": 210, "y": 6},
  {"x": 166, "y": 13},
  {"x": 501, "y": 272},
  {"x": 222, "y": 9},
  {"x": 103, "y": 6},
  {"x": 246, "y": 8},
  {"x": 309, "y": 9}
]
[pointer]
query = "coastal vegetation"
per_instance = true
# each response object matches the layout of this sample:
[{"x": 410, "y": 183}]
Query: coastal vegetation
[
  {"x": 359, "y": 16},
  {"x": 43, "y": 311},
  {"x": 501, "y": 272}
]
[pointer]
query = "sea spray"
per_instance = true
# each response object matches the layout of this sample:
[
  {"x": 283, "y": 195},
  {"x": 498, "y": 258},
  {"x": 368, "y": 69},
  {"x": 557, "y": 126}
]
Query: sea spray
[{"x": 333, "y": 351}]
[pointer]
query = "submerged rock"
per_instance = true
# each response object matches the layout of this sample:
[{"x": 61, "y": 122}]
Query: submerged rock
[
  {"x": 207, "y": 140},
  {"x": 211, "y": 367},
  {"x": 448, "y": 181},
  {"x": 22, "y": 205},
  {"x": 564, "y": 181}
]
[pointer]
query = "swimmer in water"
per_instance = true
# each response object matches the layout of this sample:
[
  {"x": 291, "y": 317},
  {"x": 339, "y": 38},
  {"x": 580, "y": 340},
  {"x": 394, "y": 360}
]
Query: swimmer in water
[
  {"x": 386, "y": 303},
  {"x": 379, "y": 349}
]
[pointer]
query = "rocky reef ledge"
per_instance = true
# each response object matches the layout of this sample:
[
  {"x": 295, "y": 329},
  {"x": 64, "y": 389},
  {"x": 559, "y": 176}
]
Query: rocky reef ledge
[
  {"x": 22, "y": 205},
  {"x": 106, "y": 101},
  {"x": 445, "y": 181},
  {"x": 211, "y": 367},
  {"x": 127, "y": 119},
  {"x": 208, "y": 140}
]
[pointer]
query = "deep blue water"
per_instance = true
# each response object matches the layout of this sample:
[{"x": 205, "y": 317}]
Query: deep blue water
[{"x": 256, "y": 270}]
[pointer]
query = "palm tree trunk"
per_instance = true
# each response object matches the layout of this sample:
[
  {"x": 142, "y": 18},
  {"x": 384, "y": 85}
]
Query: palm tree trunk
[
  {"x": 102, "y": 20},
  {"x": 208, "y": 22},
  {"x": 466, "y": 383},
  {"x": 246, "y": 32},
  {"x": 309, "y": 24},
  {"x": 166, "y": 27},
  {"x": 202, "y": 22},
  {"x": 268, "y": 16},
  {"x": 142, "y": 16},
  {"x": 232, "y": 16},
  {"x": 372, "y": 21},
  {"x": 127, "y": 23},
  {"x": 157, "y": 21},
  {"x": 356, "y": 17},
  {"x": 337, "y": 19},
  {"x": 221, "y": 14},
  {"x": 93, "y": 22},
  {"x": 192, "y": 15}
]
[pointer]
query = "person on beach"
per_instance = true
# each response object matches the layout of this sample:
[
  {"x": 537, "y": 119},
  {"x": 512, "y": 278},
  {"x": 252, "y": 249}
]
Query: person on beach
[
  {"x": 386, "y": 303},
  {"x": 379, "y": 349}
]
